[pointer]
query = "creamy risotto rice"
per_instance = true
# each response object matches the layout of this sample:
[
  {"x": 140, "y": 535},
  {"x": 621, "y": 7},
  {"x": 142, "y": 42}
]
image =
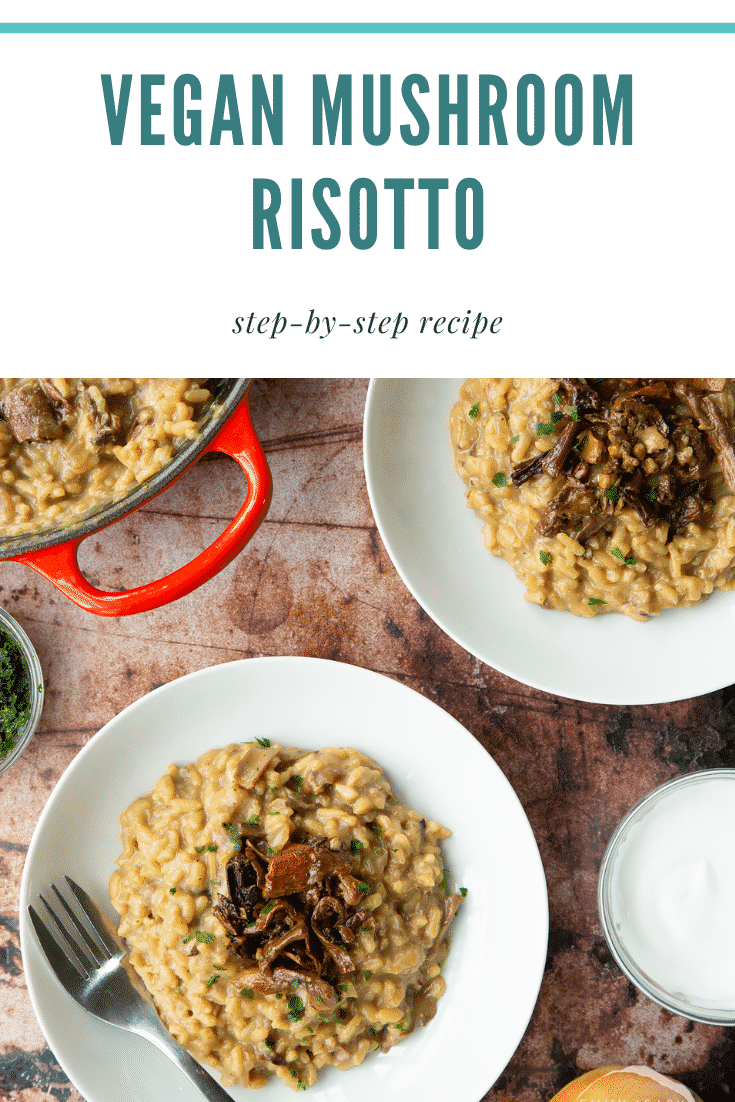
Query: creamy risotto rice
[
  {"x": 634, "y": 556},
  {"x": 68, "y": 446},
  {"x": 284, "y": 910}
]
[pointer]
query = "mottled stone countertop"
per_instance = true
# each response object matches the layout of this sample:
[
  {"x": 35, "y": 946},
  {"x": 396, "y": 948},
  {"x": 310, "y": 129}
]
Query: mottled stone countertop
[{"x": 316, "y": 580}]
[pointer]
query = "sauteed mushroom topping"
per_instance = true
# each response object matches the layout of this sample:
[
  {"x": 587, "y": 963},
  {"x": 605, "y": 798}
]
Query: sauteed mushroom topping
[
  {"x": 644, "y": 444},
  {"x": 292, "y": 917}
]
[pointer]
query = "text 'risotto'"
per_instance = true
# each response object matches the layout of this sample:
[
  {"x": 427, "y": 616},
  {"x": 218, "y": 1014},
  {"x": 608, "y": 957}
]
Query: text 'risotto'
[
  {"x": 284, "y": 910},
  {"x": 605, "y": 495}
]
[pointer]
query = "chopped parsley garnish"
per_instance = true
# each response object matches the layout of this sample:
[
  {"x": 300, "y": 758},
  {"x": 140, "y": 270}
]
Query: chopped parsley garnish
[
  {"x": 378, "y": 827},
  {"x": 545, "y": 557},
  {"x": 234, "y": 835},
  {"x": 248, "y": 993},
  {"x": 474, "y": 410},
  {"x": 500, "y": 479},
  {"x": 265, "y": 742},
  {"x": 268, "y": 907},
  {"x": 556, "y": 417},
  {"x": 187, "y": 938},
  {"x": 14, "y": 693},
  {"x": 612, "y": 493},
  {"x": 364, "y": 888},
  {"x": 368, "y": 975},
  {"x": 204, "y": 937},
  {"x": 268, "y": 1043},
  {"x": 652, "y": 494},
  {"x": 220, "y": 967},
  {"x": 356, "y": 846},
  {"x": 557, "y": 398},
  {"x": 279, "y": 995},
  {"x": 206, "y": 849},
  {"x": 296, "y": 1008},
  {"x": 514, "y": 440},
  {"x": 545, "y": 428},
  {"x": 376, "y": 849},
  {"x": 321, "y": 1018},
  {"x": 215, "y": 881},
  {"x": 254, "y": 821},
  {"x": 629, "y": 560},
  {"x": 273, "y": 788},
  {"x": 579, "y": 444},
  {"x": 574, "y": 413},
  {"x": 344, "y": 987},
  {"x": 596, "y": 601},
  {"x": 340, "y": 1014},
  {"x": 463, "y": 892},
  {"x": 172, "y": 891},
  {"x": 211, "y": 981},
  {"x": 297, "y": 780}
]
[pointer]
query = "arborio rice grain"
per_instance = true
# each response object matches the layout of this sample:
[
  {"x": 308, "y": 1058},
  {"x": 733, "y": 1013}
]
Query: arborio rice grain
[
  {"x": 173, "y": 872},
  {"x": 625, "y": 567}
]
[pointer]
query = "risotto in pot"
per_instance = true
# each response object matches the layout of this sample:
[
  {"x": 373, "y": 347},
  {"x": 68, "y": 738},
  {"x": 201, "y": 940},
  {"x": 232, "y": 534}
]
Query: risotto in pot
[
  {"x": 284, "y": 910},
  {"x": 69, "y": 446},
  {"x": 604, "y": 495}
]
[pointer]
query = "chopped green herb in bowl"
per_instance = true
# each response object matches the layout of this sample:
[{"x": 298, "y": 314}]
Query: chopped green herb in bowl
[{"x": 21, "y": 690}]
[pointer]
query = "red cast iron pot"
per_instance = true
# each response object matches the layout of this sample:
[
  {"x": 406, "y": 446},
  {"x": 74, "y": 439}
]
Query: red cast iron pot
[{"x": 224, "y": 427}]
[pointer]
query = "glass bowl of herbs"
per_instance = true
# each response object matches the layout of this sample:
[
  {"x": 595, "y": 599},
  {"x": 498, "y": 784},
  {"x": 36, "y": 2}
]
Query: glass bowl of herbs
[{"x": 21, "y": 690}]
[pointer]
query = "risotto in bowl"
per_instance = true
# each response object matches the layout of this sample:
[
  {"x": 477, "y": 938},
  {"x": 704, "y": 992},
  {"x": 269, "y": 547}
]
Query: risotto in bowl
[
  {"x": 284, "y": 910},
  {"x": 605, "y": 495}
]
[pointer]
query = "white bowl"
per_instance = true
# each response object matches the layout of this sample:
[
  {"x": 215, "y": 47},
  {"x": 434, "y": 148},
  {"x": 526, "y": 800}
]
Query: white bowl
[{"x": 436, "y": 545}]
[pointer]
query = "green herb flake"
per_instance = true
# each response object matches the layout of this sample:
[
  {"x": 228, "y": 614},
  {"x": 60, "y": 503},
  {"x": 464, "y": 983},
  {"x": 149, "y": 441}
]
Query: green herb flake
[
  {"x": 206, "y": 849},
  {"x": 296, "y": 1009},
  {"x": 204, "y": 937},
  {"x": 500, "y": 479},
  {"x": 297, "y": 780},
  {"x": 180, "y": 989},
  {"x": 463, "y": 892},
  {"x": 340, "y": 1014},
  {"x": 545, "y": 557},
  {"x": 254, "y": 821},
  {"x": 356, "y": 846},
  {"x": 545, "y": 428},
  {"x": 271, "y": 850},
  {"x": 274, "y": 788},
  {"x": 234, "y": 835},
  {"x": 376, "y": 849},
  {"x": 652, "y": 494},
  {"x": 474, "y": 410},
  {"x": 368, "y": 975},
  {"x": 364, "y": 888},
  {"x": 579, "y": 444},
  {"x": 247, "y": 992},
  {"x": 265, "y": 742},
  {"x": 188, "y": 937},
  {"x": 596, "y": 601},
  {"x": 322, "y": 1019},
  {"x": 172, "y": 891},
  {"x": 612, "y": 493},
  {"x": 211, "y": 981},
  {"x": 268, "y": 1043},
  {"x": 14, "y": 693},
  {"x": 268, "y": 907},
  {"x": 279, "y": 995},
  {"x": 215, "y": 882},
  {"x": 378, "y": 827},
  {"x": 514, "y": 440},
  {"x": 557, "y": 398},
  {"x": 629, "y": 560},
  {"x": 574, "y": 413},
  {"x": 556, "y": 417},
  {"x": 344, "y": 987}
]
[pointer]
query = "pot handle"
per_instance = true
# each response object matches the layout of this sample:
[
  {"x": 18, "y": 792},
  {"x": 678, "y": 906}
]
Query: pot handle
[{"x": 237, "y": 439}]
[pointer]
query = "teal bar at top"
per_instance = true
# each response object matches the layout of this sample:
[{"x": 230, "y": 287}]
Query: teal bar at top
[{"x": 367, "y": 28}]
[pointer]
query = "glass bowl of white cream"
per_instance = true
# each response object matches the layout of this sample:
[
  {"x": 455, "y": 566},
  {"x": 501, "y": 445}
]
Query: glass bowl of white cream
[{"x": 666, "y": 896}]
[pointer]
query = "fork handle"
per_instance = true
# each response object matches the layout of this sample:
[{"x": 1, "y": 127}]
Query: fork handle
[{"x": 157, "y": 1033}]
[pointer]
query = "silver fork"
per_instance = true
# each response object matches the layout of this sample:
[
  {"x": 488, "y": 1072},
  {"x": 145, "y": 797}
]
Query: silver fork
[{"x": 94, "y": 970}]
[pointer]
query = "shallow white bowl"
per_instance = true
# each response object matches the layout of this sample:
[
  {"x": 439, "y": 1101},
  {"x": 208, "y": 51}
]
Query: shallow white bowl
[
  {"x": 436, "y": 545},
  {"x": 499, "y": 937}
]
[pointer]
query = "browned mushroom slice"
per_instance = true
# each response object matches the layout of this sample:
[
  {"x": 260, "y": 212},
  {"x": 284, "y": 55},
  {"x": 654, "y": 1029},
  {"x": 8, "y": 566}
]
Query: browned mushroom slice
[
  {"x": 299, "y": 867},
  {"x": 320, "y": 993},
  {"x": 574, "y": 503},
  {"x": 721, "y": 438},
  {"x": 254, "y": 763},
  {"x": 105, "y": 426},
  {"x": 28, "y": 414},
  {"x": 327, "y": 915},
  {"x": 451, "y": 906},
  {"x": 553, "y": 461}
]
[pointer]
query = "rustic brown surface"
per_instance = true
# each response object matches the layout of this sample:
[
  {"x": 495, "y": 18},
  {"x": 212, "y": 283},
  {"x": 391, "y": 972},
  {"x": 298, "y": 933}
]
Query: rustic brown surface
[{"x": 316, "y": 580}]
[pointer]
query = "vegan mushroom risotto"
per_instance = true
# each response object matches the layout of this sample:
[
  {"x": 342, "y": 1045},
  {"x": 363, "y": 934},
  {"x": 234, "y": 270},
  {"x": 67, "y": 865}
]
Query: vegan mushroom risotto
[
  {"x": 284, "y": 910},
  {"x": 605, "y": 495},
  {"x": 68, "y": 446}
]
